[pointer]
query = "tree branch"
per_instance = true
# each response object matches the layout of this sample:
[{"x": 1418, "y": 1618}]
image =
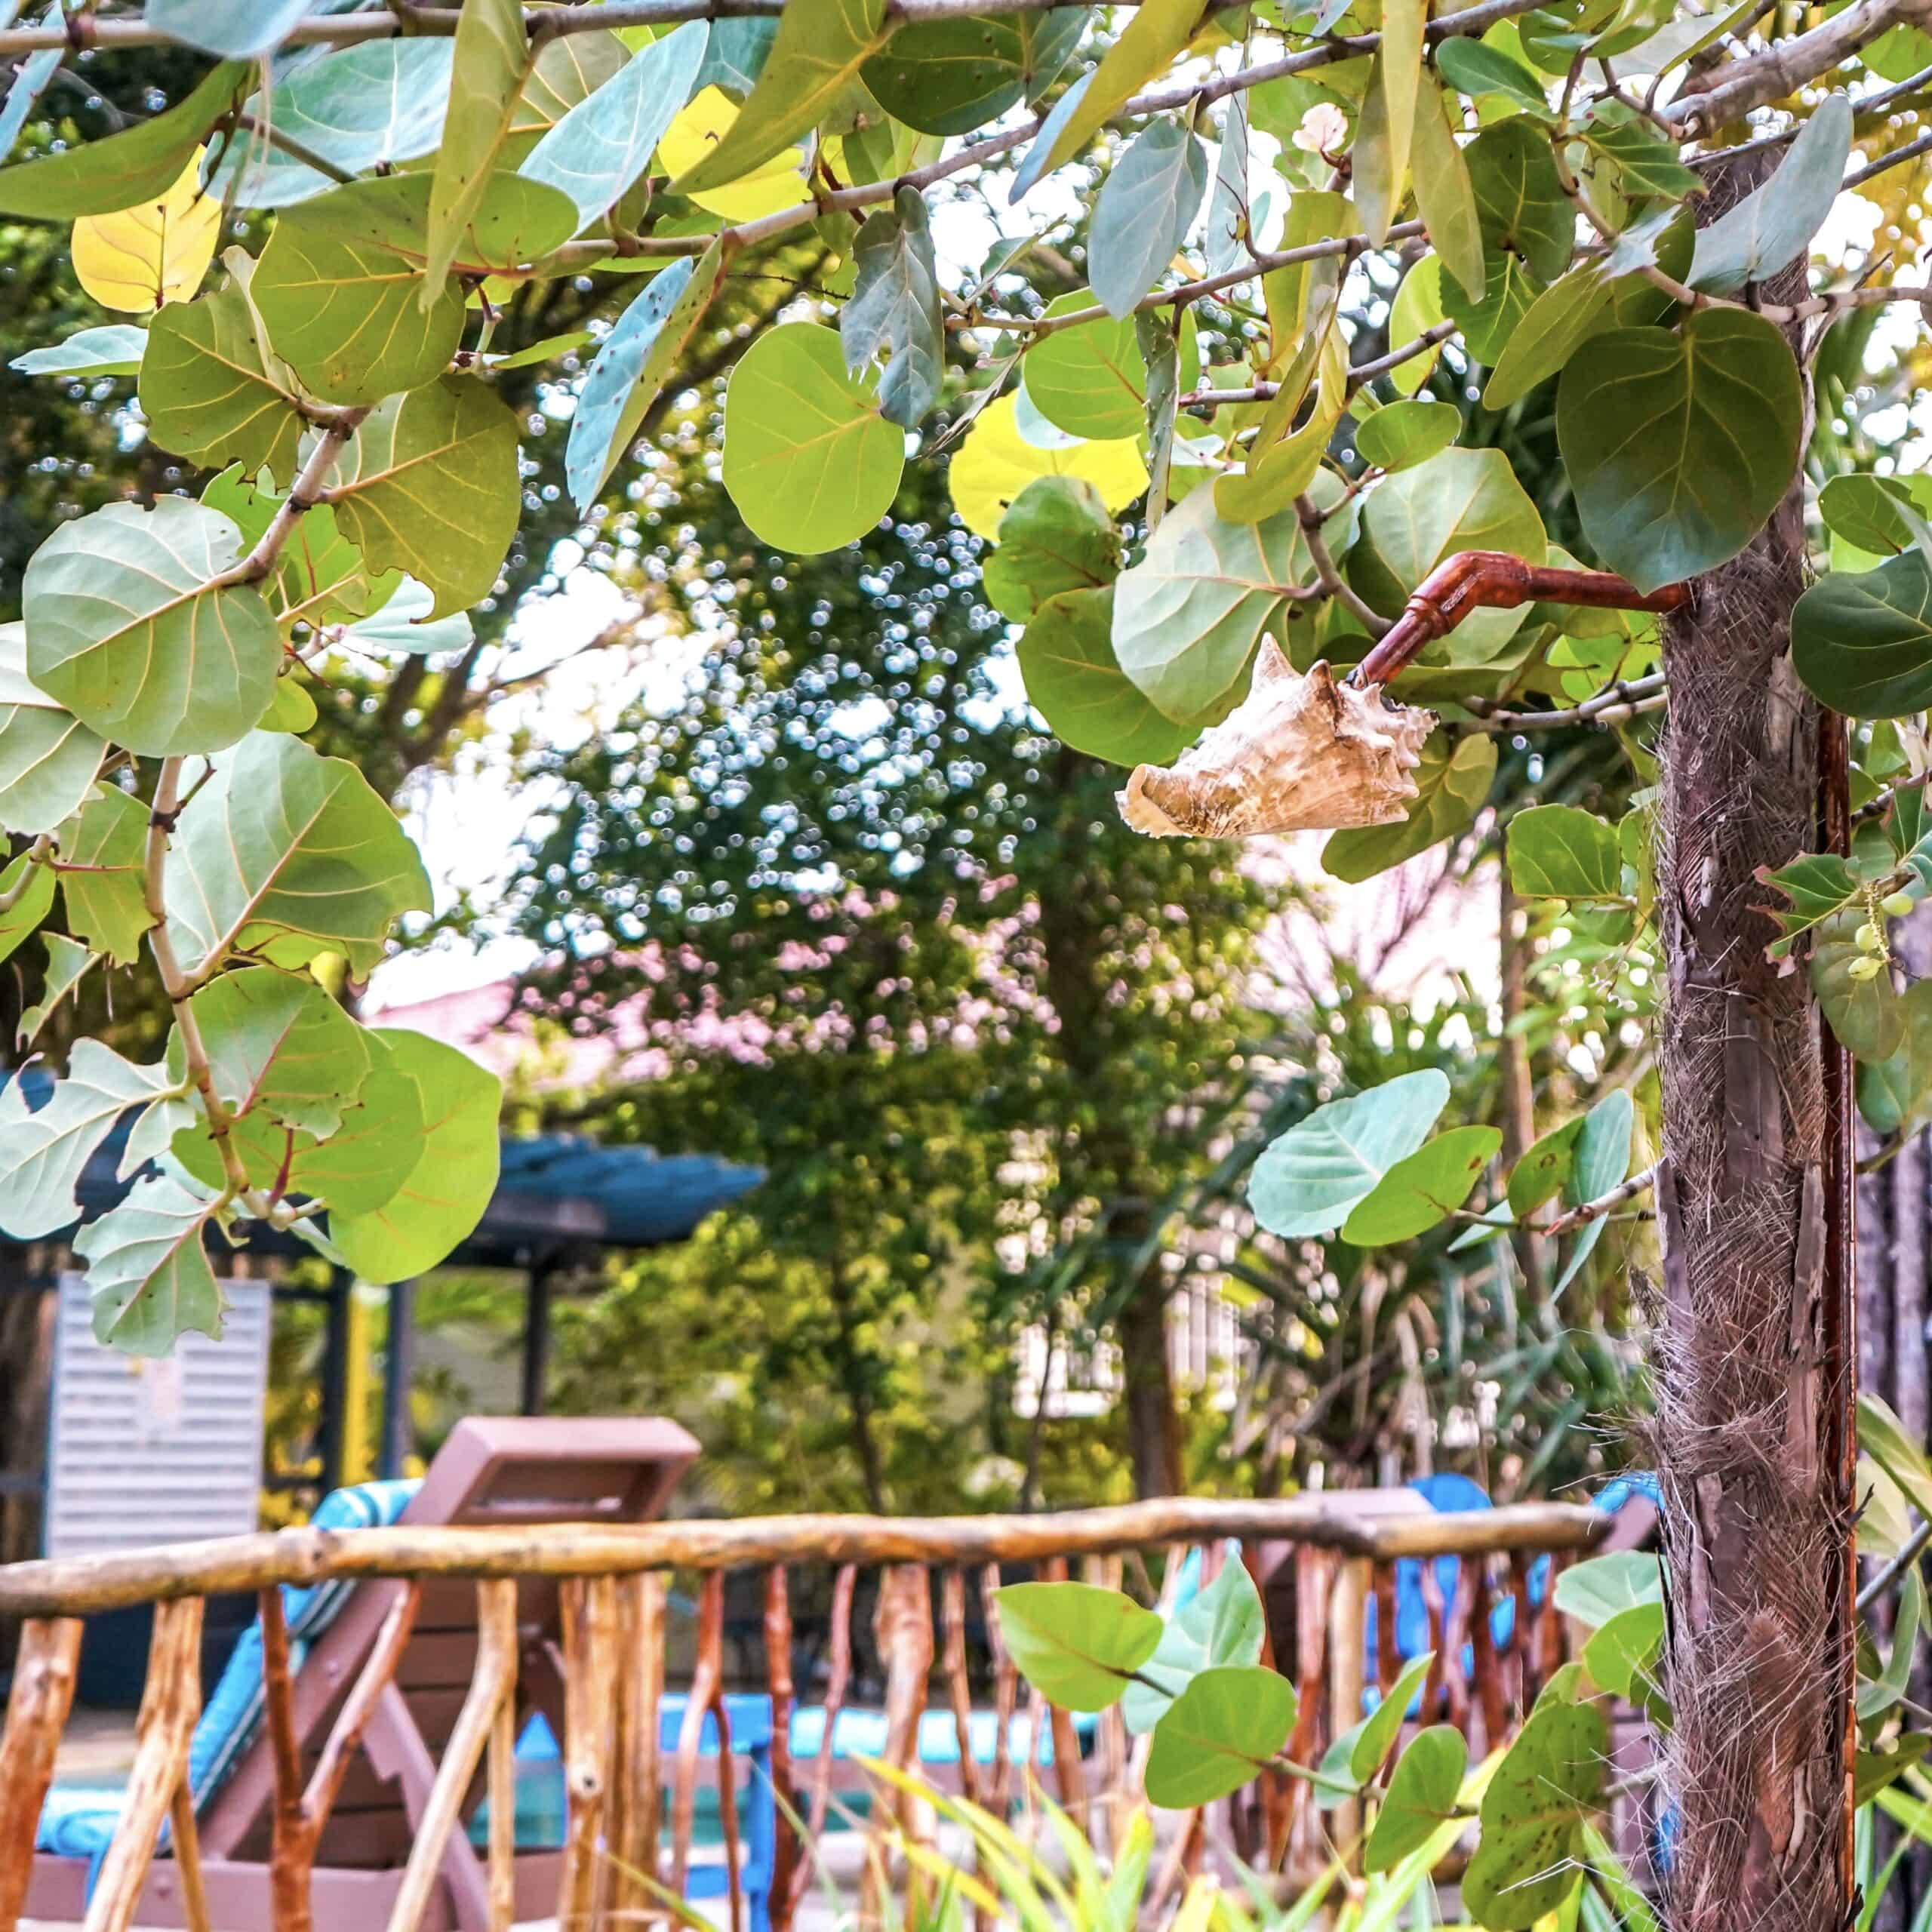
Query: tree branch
[
  {"x": 1592, "y": 1210},
  {"x": 1336, "y": 585}
]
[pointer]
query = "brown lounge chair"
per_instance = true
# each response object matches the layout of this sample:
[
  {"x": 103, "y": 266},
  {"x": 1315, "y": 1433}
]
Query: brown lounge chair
[{"x": 503, "y": 1470}]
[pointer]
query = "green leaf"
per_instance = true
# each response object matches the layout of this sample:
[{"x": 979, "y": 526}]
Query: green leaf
[
  {"x": 106, "y": 905},
  {"x": 235, "y": 29},
  {"x": 114, "y": 349},
  {"x": 1461, "y": 500},
  {"x": 1876, "y": 1769},
  {"x": 1146, "y": 205},
  {"x": 1820, "y": 886},
  {"x": 1057, "y": 537},
  {"x": 1089, "y": 380},
  {"x": 1564, "y": 852},
  {"x": 1309, "y": 1179},
  {"x": 341, "y": 289},
  {"x": 1425, "y": 1789},
  {"x": 603, "y": 143},
  {"x": 48, "y": 758},
  {"x": 362, "y": 108},
  {"x": 140, "y": 163},
  {"x": 1679, "y": 446},
  {"x": 286, "y": 854},
  {"x": 1601, "y": 1588},
  {"x": 429, "y": 484},
  {"x": 493, "y": 60},
  {"x": 1354, "y": 1757},
  {"x": 67, "y": 963},
  {"x": 1534, "y": 1812},
  {"x": 1528, "y": 232},
  {"x": 821, "y": 46},
  {"x": 1602, "y": 1160},
  {"x": 1896, "y": 1451},
  {"x": 631, "y": 369},
  {"x": 1621, "y": 1657},
  {"x": 1478, "y": 68},
  {"x": 1897, "y": 1092},
  {"x": 206, "y": 394},
  {"x": 1219, "y": 1734},
  {"x": 1862, "y": 644},
  {"x": 278, "y": 1043},
  {"x": 1228, "y": 210},
  {"x": 1223, "y": 1624},
  {"x": 809, "y": 460},
  {"x": 1864, "y": 1014},
  {"x": 1631, "y": 159},
  {"x": 1445, "y": 193},
  {"x": 1406, "y": 433},
  {"x": 1872, "y": 513},
  {"x": 955, "y": 76},
  {"x": 1416, "y": 308},
  {"x": 148, "y": 1280},
  {"x": 1076, "y": 683},
  {"x": 1157, "y": 32},
  {"x": 894, "y": 310},
  {"x": 126, "y": 630},
  {"x": 1545, "y": 1168},
  {"x": 1397, "y": 74},
  {"x": 1076, "y": 1645},
  {"x": 443, "y": 1195},
  {"x": 1768, "y": 230},
  {"x": 1426, "y": 1188},
  {"x": 1188, "y": 616},
  {"x": 34, "y": 883},
  {"x": 42, "y": 1154},
  {"x": 1452, "y": 786}
]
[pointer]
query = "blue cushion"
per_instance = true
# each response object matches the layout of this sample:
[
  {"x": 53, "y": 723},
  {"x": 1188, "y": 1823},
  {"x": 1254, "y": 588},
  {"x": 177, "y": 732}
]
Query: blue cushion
[{"x": 78, "y": 1822}]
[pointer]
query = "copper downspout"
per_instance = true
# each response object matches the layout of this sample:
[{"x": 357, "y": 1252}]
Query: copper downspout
[{"x": 1493, "y": 579}]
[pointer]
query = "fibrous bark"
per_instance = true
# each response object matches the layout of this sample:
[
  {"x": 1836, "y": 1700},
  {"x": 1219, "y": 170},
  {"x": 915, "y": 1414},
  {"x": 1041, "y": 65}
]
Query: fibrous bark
[{"x": 1753, "y": 1324}]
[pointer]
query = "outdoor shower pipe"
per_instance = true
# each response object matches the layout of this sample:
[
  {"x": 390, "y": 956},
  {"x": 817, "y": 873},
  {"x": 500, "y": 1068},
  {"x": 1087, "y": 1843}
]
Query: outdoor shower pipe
[{"x": 1496, "y": 580}]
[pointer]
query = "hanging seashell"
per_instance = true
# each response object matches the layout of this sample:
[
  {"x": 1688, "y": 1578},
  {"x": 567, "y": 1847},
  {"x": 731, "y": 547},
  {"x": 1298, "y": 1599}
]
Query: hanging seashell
[{"x": 1297, "y": 755}]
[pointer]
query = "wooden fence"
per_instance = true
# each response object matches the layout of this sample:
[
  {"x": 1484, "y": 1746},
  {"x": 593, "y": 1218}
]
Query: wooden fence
[{"x": 574, "y": 1622}]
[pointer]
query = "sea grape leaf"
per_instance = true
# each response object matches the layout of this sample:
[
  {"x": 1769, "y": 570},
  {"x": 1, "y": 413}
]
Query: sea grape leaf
[
  {"x": 429, "y": 484},
  {"x": 106, "y": 903},
  {"x": 140, "y": 163},
  {"x": 206, "y": 393},
  {"x": 1057, "y": 537},
  {"x": 113, "y": 349},
  {"x": 1422, "y": 1793},
  {"x": 1601, "y": 1160},
  {"x": 1308, "y": 1179},
  {"x": 630, "y": 370},
  {"x": 604, "y": 143},
  {"x": 1354, "y": 1757},
  {"x": 1452, "y": 784},
  {"x": 1861, "y": 642},
  {"x": 1564, "y": 852},
  {"x": 995, "y": 463},
  {"x": 810, "y": 460},
  {"x": 1423, "y": 1190},
  {"x": 1445, "y": 193},
  {"x": 137, "y": 259},
  {"x": 125, "y": 628},
  {"x": 148, "y": 1279},
  {"x": 286, "y": 854},
  {"x": 954, "y": 76},
  {"x": 1076, "y": 683},
  {"x": 820, "y": 48},
  {"x": 894, "y": 310},
  {"x": 443, "y": 1195},
  {"x": 492, "y": 61},
  {"x": 362, "y": 108},
  {"x": 1408, "y": 433},
  {"x": 43, "y": 1152},
  {"x": 1146, "y": 205},
  {"x": 1534, "y": 1811},
  {"x": 67, "y": 963},
  {"x": 1222, "y": 1624},
  {"x": 1864, "y": 1014},
  {"x": 1767, "y": 230},
  {"x": 1601, "y": 1588},
  {"x": 1680, "y": 444},
  {"x": 1220, "y": 1733},
  {"x": 1077, "y": 1645}
]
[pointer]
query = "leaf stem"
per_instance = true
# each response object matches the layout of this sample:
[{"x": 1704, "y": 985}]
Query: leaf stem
[{"x": 1592, "y": 1211}]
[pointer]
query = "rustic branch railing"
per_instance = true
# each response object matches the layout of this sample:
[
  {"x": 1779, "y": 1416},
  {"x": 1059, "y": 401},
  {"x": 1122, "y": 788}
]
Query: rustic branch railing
[{"x": 607, "y": 1588}]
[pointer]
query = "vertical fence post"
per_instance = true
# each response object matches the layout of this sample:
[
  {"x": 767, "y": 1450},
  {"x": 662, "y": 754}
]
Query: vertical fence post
[
  {"x": 1348, "y": 1605},
  {"x": 636, "y": 1781},
  {"x": 37, "y": 1708}
]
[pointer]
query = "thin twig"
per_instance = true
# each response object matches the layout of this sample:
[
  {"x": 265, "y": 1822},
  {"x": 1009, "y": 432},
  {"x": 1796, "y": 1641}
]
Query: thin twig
[
  {"x": 1336, "y": 585},
  {"x": 1909, "y": 1554},
  {"x": 295, "y": 150},
  {"x": 1592, "y": 1211}
]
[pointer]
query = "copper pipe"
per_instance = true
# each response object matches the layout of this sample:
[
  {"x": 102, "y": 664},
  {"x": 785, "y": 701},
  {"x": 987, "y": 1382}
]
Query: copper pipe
[{"x": 1493, "y": 579}]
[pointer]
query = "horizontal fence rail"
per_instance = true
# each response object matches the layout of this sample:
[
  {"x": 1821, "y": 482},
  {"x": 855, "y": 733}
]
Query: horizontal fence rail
[
  {"x": 403, "y": 1716},
  {"x": 78, "y": 1586}
]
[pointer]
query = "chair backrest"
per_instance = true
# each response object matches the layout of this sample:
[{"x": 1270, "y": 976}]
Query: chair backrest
[{"x": 505, "y": 1469}]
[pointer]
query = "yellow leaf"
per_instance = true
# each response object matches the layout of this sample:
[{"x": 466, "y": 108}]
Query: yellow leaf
[
  {"x": 774, "y": 184},
  {"x": 138, "y": 258},
  {"x": 995, "y": 463}
]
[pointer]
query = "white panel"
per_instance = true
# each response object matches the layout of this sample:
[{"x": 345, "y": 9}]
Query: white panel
[{"x": 154, "y": 1451}]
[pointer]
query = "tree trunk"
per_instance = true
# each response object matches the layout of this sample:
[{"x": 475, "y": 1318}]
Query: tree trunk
[
  {"x": 1751, "y": 1351},
  {"x": 1153, "y": 1423}
]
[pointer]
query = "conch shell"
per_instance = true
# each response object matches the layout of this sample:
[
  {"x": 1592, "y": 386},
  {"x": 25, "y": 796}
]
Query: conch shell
[{"x": 1296, "y": 755}]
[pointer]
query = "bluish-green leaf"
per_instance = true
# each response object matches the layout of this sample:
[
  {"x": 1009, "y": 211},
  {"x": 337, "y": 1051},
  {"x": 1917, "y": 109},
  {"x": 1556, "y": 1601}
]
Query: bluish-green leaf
[{"x": 1146, "y": 205}]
